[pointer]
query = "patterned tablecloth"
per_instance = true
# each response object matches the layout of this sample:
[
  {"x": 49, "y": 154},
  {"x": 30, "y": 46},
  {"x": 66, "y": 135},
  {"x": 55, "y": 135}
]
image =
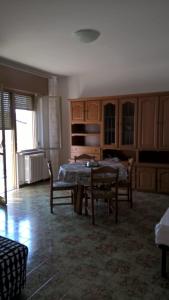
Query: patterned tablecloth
[{"x": 79, "y": 173}]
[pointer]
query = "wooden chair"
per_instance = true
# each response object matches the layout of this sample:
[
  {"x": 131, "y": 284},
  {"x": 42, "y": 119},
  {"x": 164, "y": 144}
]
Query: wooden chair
[
  {"x": 84, "y": 157},
  {"x": 104, "y": 186},
  {"x": 125, "y": 186},
  {"x": 57, "y": 185}
]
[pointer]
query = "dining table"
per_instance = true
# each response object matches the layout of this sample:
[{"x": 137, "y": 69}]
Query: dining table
[{"x": 80, "y": 173}]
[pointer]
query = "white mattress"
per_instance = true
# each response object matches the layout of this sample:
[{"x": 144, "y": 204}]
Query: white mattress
[{"x": 162, "y": 230}]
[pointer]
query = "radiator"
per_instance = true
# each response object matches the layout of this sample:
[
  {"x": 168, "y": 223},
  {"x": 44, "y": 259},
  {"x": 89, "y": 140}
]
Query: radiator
[{"x": 34, "y": 167}]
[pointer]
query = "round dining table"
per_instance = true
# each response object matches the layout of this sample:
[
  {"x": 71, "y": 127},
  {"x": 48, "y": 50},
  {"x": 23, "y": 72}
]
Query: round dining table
[{"x": 80, "y": 173}]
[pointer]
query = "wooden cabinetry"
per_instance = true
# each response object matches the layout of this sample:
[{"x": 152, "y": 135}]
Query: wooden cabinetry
[
  {"x": 126, "y": 126},
  {"x": 85, "y": 128},
  {"x": 77, "y": 111},
  {"x": 78, "y": 150},
  {"x": 110, "y": 123},
  {"x": 154, "y": 122},
  {"x": 120, "y": 123},
  {"x": 128, "y": 123},
  {"x": 153, "y": 179},
  {"x": 85, "y": 111},
  {"x": 163, "y": 180},
  {"x": 164, "y": 122},
  {"x": 93, "y": 111},
  {"x": 146, "y": 179},
  {"x": 148, "y": 122},
  {"x": 83, "y": 134}
]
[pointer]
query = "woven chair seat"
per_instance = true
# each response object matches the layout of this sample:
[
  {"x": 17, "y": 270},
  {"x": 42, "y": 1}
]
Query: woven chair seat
[
  {"x": 63, "y": 185},
  {"x": 102, "y": 194},
  {"x": 123, "y": 182}
]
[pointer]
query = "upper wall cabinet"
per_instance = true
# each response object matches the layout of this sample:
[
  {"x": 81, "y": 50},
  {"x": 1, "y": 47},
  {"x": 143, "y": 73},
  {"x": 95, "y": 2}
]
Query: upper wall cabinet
[
  {"x": 128, "y": 123},
  {"x": 93, "y": 111},
  {"x": 86, "y": 111},
  {"x": 164, "y": 122},
  {"x": 148, "y": 122},
  {"x": 110, "y": 123},
  {"x": 77, "y": 111}
]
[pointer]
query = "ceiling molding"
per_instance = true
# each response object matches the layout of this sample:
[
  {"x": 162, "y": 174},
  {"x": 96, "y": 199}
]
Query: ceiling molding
[{"x": 24, "y": 68}]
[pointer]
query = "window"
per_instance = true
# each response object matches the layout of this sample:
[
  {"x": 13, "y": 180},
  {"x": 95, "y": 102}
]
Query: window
[{"x": 25, "y": 122}]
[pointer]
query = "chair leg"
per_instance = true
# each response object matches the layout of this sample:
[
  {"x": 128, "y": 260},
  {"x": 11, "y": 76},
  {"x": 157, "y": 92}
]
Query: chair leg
[
  {"x": 109, "y": 206},
  {"x": 116, "y": 209},
  {"x": 72, "y": 196},
  {"x": 51, "y": 202},
  {"x": 86, "y": 205},
  {"x": 93, "y": 216},
  {"x": 131, "y": 197},
  {"x": 74, "y": 201},
  {"x": 128, "y": 194}
]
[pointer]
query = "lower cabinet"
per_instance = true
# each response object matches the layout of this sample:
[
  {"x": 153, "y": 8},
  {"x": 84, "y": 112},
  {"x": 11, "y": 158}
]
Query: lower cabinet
[
  {"x": 78, "y": 150},
  {"x": 163, "y": 180},
  {"x": 153, "y": 179},
  {"x": 146, "y": 179}
]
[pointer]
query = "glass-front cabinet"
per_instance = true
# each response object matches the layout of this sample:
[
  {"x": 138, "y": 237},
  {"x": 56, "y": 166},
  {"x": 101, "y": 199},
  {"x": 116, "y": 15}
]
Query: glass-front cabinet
[
  {"x": 127, "y": 128},
  {"x": 110, "y": 123}
]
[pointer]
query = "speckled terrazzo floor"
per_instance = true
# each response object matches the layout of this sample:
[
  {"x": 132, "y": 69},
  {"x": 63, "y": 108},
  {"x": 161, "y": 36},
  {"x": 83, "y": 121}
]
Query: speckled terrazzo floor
[{"x": 71, "y": 259}]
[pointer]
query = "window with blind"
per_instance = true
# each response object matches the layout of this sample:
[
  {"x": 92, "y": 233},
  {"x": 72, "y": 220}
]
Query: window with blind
[
  {"x": 5, "y": 111},
  {"x": 24, "y": 102},
  {"x": 25, "y": 122}
]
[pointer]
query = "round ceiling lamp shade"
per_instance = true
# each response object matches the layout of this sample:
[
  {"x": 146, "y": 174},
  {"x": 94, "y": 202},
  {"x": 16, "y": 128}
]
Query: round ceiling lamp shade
[{"x": 87, "y": 35}]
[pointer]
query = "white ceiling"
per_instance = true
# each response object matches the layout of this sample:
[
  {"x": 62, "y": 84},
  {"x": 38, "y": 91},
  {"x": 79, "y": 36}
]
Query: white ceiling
[{"x": 39, "y": 33}]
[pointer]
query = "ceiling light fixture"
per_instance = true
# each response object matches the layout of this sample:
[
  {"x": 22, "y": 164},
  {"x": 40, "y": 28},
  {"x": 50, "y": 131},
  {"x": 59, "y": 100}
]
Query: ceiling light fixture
[{"x": 87, "y": 35}]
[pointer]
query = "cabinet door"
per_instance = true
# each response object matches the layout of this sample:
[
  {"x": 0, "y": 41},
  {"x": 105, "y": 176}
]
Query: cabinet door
[
  {"x": 110, "y": 123},
  {"x": 148, "y": 122},
  {"x": 164, "y": 123},
  {"x": 128, "y": 123},
  {"x": 92, "y": 111},
  {"x": 163, "y": 180},
  {"x": 78, "y": 150},
  {"x": 77, "y": 111},
  {"x": 146, "y": 179}
]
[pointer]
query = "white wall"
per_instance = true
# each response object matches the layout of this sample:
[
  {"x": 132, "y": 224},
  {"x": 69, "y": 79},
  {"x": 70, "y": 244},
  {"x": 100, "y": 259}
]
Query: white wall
[{"x": 104, "y": 84}]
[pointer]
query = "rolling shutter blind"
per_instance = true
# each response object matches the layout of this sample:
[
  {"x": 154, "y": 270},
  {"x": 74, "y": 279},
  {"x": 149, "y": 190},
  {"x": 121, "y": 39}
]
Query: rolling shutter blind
[
  {"x": 5, "y": 111},
  {"x": 23, "y": 102}
]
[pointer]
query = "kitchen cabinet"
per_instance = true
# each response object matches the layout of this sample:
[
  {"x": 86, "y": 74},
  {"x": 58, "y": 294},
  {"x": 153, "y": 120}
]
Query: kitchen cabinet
[
  {"x": 85, "y": 111},
  {"x": 163, "y": 180},
  {"x": 148, "y": 122},
  {"x": 128, "y": 123},
  {"x": 164, "y": 122},
  {"x": 110, "y": 123},
  {"x": 146, "y": 179}
]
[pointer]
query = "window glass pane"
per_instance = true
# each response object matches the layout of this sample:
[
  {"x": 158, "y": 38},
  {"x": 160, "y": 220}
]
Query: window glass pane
[{"x": 25, "y": 129}]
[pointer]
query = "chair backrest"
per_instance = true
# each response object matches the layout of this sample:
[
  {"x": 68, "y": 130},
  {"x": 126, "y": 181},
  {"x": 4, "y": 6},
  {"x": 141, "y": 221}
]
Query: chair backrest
[
  {"x": 50, "y": 170},
  {"x": 106, "y": 175},
  {"x": 84, "y": 157},
  {"x": 130, "y": 168}
]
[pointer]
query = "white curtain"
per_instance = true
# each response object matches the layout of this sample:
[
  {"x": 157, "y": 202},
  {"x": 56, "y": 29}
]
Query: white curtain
[
  {"x": 49, "y": 124},
  {"x": 54, "y": 123}
]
